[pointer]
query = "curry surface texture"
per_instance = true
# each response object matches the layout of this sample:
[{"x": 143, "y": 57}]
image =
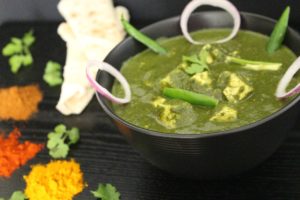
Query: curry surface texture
[{"x": 147, "y": 73}]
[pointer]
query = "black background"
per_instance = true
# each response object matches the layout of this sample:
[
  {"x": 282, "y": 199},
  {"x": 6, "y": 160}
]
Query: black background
[{"x": 102, "y": 152}]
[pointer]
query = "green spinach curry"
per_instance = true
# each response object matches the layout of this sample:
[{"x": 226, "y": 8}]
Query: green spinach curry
[{"x": 240, "y": 75}]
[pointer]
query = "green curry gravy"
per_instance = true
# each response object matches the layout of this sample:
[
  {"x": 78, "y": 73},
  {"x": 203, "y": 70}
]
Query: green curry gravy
[{"x": 147, "y": 74}]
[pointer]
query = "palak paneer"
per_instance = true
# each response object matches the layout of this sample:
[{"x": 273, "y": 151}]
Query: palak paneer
[{"x": 240, "y": 75}]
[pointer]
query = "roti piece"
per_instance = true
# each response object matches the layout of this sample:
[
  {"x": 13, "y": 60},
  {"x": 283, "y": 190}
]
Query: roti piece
[
  {"x": 92, "y": 18},
  {"x": 92, "y": 30}
]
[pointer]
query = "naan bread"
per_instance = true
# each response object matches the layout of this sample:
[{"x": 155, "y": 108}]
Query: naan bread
[
  {"x": 92, "y": 29},
  {"x": 92, "y": 18}
]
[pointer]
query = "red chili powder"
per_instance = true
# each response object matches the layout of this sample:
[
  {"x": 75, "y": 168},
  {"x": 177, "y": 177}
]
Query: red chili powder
[{"x": 14, "y": 154}]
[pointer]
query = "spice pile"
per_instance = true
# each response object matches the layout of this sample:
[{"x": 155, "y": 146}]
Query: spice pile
[
  {"x": 14, "y": 154},
  {"x": 19, "y": 102},
  {"x": 56, "y": 180}
]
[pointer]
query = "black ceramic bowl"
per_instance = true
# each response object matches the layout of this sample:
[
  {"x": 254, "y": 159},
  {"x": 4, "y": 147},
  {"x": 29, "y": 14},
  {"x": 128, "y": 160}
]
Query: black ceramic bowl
[{"x": 205, "y": 156}]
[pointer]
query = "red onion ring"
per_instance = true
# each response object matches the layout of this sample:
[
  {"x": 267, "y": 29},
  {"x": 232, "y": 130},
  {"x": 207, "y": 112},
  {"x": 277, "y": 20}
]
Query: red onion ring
[
  {"x": 103, "y": 91},
  {"x": 224, "y": 4},
  {"x": 286, "y": 79}
]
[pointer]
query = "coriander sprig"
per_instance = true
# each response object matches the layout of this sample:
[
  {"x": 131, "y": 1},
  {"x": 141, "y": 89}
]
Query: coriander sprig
[
  {"x": 52, "y": 74},
  {"x": 196, "y": 63},
  {"x": 17, "y": 195},
  {"x": 60, "y": 139},
  {"x": 106, "y": 192},
  {"x": 18, "y": 49}
]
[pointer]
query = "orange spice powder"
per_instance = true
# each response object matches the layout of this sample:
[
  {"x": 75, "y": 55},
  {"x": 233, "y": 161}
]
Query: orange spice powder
[
  {"x": 19, "y": 102},
  {"x": 14, "y": 154}
]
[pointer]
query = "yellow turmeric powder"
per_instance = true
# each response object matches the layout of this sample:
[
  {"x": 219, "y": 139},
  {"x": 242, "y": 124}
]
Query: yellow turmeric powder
[{"x": 58, "y": 180}]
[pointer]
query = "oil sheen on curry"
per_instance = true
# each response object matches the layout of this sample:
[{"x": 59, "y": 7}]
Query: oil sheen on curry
[{"x": 240, "y": 74}]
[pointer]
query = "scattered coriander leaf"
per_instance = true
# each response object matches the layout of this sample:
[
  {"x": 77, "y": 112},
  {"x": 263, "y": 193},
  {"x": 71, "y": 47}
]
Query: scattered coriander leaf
[
  {"x": 18, "y": 51},
  {"x": 18, "y": 195},
  {"x": 11, "y": 49},
  {"x": 52, "y": 74},
  {"x": 191, "y": 59},
  {"x": 17, "y": 41},
  {"x": 60, "y": 128},
  {"x": 195, "y": 64},
  {"x": 106, "y": 192},
  {"x": 60, "y": 139},
  {"x": 54, "y": 140},
  {"x": 194, "y": 68},
  {"x": 28, "y": 38},
  {"x": 27, "y": 60},
  {"x": 73, "y": 135},
  {"x": 60, "y": 151},
  {"x": 15, "y": 62}
]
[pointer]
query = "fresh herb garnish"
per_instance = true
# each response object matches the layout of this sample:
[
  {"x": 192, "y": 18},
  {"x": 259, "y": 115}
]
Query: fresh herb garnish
[
  {"x": 106, "y": 192},
  {"x": 19, "y": 51},
  {"x": 254, "y": 65},
  {"x": 141, "y": 37},
  {"x": 17, "y": 195},
  {"x": 196, "y": 64},
  {"x": 279, "y": 31},
  {"x": 60, "y": 140},
  {"x": 52, "y": 74}
]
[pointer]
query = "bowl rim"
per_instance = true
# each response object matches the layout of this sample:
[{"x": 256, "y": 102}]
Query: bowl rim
[{"x": 199, "y": 135}]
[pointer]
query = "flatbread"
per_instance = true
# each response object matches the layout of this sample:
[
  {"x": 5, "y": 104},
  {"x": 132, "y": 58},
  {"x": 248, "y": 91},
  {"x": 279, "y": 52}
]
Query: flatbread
[
  {"x": 92, "y": 30},
  {"x": 92, "y": 18}
]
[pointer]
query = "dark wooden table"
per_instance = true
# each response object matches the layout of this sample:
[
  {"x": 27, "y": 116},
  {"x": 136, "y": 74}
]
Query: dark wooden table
[{"x": 105, "y": 156}]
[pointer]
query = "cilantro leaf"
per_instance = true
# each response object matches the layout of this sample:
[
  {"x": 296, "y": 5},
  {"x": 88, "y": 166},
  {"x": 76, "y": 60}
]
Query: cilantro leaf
[
  {"x": 195, "y": 65},
  {"x": 28, "y": 38},
  {"x": 194, "y": 68},
  {"x": 27, "y": 60},
  {"x": 18, "y": 51},
  {"x": 60, "y": 151},
  {"x": 54, "y": 140},
  {"x": 60, "y": 128},
  {"x": 60, "y": 139},
  {"x": 18, "y": 195},
  {"x": 52, "y": 74},
  {"x": 15, "y": 62},
  {"x": 106, "y": 192},
  {"x": 191, "y": 59},
  {"x": 73, "y": 135},
  {"x": 11, "y": 49}
]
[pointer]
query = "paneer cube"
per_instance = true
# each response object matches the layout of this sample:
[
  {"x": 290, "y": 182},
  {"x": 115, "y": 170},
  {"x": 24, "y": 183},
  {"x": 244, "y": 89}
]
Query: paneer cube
[
  {"x": 166, "y": 116},
  {"x": 226, "y": 114},
  {"x": 202, "y": 79},
  {"x": 173, "y": 113},
  {"x": 236, "y": 89}
]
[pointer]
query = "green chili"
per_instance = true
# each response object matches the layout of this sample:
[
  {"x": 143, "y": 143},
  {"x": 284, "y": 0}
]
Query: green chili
[
  {"x": 139, "y": 36},
  {"x": 279, "y": 31},
  {"x": 191, "y": 97}
]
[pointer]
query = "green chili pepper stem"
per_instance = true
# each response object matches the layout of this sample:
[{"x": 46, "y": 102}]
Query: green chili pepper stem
[
  {"x": 191, "y": 97},
  {"x": 139, "y": 36},
  {"x": 279, "y": 31}
]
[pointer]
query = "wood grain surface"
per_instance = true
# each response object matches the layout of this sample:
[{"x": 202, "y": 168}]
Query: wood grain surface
[{"x": 105, "y": 156}]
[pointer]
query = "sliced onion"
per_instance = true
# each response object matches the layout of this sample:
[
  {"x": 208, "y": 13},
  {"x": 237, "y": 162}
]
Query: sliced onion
[
  {"x": 286, "y": 79},
  {"x": 115, "y": 73},
  {"x": 224, "y": 4}
]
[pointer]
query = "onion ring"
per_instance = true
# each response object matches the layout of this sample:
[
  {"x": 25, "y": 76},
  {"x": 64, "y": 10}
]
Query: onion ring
[
  {"x": 224, "y": 4},
  {"x": 103, "y": 91},
  {"x": 286, "y": 79}
]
